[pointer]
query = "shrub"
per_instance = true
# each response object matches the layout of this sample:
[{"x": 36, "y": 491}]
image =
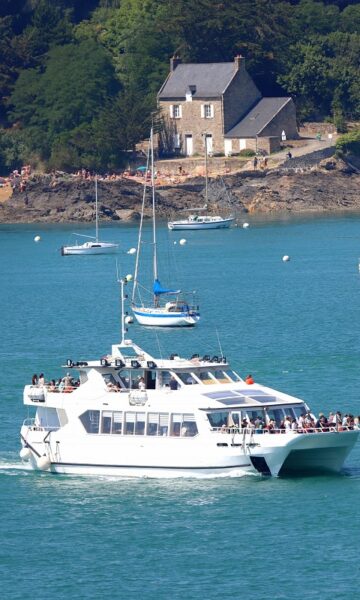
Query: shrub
[
  {"x": 349, "y": 143},
  {"x": 246, "y": 152}
]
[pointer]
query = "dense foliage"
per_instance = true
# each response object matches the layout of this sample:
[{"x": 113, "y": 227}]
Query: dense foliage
[{"x": 78, "y": 80}]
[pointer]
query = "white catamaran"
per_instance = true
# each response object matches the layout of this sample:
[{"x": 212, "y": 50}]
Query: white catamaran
[
  {"x": 160, "y": 311},
  {"x": 195, "y": 220},
  {"x": 95, "y": 246},
  {"x": 132, "y": 414}
]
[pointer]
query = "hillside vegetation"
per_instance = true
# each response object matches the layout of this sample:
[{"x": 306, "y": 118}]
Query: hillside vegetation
[{"x": 78, "y": 80}]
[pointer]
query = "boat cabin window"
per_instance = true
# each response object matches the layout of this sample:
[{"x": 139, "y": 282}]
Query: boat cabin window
[
  {"x": 158, "y": 424},
  {"x": 183, "y": 425},
  {"x": 233, "y": 376},
  {"x": 299, "y": 410},
  {"x": 257, "y": 413},
  {"x": 106, "y": 421},
  {"x": 186, "y": 378},
  {"x": 221, "y": 419},
  {"x": 130, "y": 378},
  {"x": 206, "y": 378},
  {"x": 221, "y": 376},
  {"x": 117, "y": 422},
  {"x": 90, "y": 420},
  {"x": 164, "y": 378},
  {"x": 277, "y": 414},
  {"x": 134, "y": 423}
]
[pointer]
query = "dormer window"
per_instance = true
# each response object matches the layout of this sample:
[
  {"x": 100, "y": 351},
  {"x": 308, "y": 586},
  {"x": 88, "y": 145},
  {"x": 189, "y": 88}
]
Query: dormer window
[
  {"x": 207, "y": 111},
  {"x": 175, "y": 111},
  {"x": 190, "y": 92}
]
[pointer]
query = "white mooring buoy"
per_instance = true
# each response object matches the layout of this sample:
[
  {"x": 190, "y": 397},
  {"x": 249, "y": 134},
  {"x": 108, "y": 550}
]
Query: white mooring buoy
[
  {"x": 286, "y": 258},
  {"x": 246, "y": 225},
  {"x": 182, "y": 242},
  {"x": 131, "y": 251},
  {"x": 37, "y": 238}
]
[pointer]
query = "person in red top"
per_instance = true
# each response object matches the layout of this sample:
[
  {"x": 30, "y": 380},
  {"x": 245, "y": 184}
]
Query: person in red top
[{"x": 249, "y": 380}]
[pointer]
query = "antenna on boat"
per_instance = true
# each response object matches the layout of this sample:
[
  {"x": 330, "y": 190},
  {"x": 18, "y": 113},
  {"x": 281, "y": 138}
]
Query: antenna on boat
[
  {"x": 123, "y": 282},
  {"x": 220, "y": 348}
]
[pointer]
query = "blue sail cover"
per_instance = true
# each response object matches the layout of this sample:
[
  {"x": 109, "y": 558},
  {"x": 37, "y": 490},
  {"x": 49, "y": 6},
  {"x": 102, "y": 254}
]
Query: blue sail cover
[{"x": 158, "y": 289}]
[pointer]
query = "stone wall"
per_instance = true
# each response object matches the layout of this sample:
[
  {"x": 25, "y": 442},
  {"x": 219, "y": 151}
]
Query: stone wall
[
  {"x": 192, "y": 123},
  {"x": 239, "y": 97}
]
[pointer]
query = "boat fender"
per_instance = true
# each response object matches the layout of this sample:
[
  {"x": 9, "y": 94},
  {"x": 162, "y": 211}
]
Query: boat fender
[
  {"x": 25, "y": 453},
  {"x": 43, "y": 463}
]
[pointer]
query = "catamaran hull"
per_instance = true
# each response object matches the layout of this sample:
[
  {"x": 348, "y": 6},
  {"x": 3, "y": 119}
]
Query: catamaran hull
[
  {"x": 166, "y": 319},
  {"x": 279, "y": 454},
  {"x": 78, "y": 250},
  {"x": 179, "y": 225},
  {"x": 293, "y": 453}
]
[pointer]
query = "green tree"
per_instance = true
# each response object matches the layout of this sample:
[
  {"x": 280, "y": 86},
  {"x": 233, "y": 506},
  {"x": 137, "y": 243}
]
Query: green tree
[{"x": 76, "y": 83}]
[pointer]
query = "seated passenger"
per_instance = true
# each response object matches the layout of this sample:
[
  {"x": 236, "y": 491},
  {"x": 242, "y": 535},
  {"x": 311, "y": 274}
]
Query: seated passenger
[
  {"x": 52, "y": 386},
  {"x": 249, "y": 380}
]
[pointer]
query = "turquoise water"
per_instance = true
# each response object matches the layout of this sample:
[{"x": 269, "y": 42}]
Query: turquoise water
[{"x": 293, "y": 325}]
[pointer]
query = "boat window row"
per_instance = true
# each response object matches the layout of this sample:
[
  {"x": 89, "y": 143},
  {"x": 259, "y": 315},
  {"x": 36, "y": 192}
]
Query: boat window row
[
  {"x": 229, "y": 418},
  {"x": 130, "y": 378},
  {"x": 110, "y": 422}
]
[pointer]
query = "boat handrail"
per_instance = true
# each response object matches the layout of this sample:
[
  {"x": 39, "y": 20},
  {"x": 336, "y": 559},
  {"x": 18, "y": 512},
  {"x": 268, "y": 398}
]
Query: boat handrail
[{"x": 330, "y": 428}]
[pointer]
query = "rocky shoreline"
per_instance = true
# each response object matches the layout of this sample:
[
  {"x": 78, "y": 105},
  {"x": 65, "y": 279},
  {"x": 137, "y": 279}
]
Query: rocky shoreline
[{"x": 327, "y": 185}]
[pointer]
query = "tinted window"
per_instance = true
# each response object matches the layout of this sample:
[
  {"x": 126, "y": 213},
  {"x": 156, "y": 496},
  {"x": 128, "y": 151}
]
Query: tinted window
[{"x": 90, "y": 420}]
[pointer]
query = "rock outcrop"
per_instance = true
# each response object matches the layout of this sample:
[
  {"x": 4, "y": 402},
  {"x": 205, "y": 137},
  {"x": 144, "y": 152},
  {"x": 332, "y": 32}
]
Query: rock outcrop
[{"x": 329, "y": 185}]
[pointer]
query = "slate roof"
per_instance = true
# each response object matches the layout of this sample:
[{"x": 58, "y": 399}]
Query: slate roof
[
  {"x": 210, "y": 79},
  {"x": 258, "y": 117}
]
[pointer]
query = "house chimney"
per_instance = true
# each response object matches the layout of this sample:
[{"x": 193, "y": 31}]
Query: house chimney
[
  {"x": 239, "y": 62},
  {"x": 174, "y": 62}
]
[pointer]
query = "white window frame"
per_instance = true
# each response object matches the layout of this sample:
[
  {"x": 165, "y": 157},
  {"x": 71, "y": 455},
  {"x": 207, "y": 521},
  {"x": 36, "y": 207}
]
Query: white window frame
[
  {"x": 175, "y": 111},
  {"x": 207, "y": 111}
]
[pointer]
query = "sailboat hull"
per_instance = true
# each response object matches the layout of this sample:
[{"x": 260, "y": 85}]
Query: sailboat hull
[
  {"x": 90, "y": 248},
  {"x": 206, "y": 223},
  {"x": 161, "y": 318}
]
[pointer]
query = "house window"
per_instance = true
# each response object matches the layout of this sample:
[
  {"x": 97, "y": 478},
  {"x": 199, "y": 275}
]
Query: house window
[
  {"x": 177, "y": 143},
  {"x": 175, "y": 111},
  {"x": 207, "y": 111}
]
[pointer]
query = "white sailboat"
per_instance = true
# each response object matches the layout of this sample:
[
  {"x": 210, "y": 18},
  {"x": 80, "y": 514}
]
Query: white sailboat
[
  {"x": 202, "y": 221},
  {"x": 161, "y": 311},
  {"x": 94, "y": 246}
]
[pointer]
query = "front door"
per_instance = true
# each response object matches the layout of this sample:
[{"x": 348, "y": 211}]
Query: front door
[
  {"x": 188, "y": 144},
  {"x": 209, "y": 143},
  {"x": 228, "y": 147}
]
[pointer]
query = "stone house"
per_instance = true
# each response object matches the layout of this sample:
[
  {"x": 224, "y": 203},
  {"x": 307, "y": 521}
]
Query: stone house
[{"x": 220, "y": 102}]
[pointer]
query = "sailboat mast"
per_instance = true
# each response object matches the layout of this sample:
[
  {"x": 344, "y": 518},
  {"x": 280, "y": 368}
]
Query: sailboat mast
[
  {"x": 153, "y": 202},
  {"x": 206, "y": 171},
  {"x": 96, "y": 212},
  {"x": 140, "y": 231}
]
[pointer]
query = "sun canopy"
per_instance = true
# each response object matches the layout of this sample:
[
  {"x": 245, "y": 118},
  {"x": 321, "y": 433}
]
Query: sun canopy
[{"x": 158, "y": 289}]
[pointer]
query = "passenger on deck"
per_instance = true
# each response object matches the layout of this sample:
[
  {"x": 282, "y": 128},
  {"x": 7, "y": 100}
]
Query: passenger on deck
[
  {"x": 173, "y": 384},
  {"x": 249, "y": 380},
  {"x": 141, "y": 384},
  {"x": 67, "y": 382},
  {"x": 41, "y": 379},
  {"x": 52, "y": 386},
  {"x": 34, "y": 380}
]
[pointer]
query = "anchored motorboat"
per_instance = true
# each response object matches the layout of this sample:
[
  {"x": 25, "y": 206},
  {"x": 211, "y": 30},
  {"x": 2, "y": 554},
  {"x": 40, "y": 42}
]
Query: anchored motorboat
[{"x": 132, "y": 414}]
